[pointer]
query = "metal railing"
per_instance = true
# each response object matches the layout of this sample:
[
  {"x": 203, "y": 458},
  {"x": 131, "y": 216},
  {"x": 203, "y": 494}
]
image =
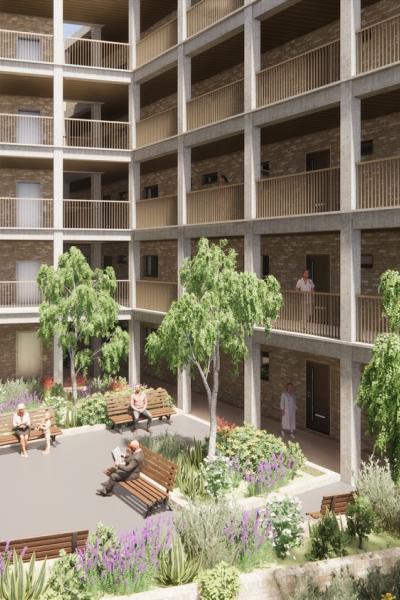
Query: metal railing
[
  {"x": 216, "y": 105},
  {"x": 25, "y": 45},
  {"x": 96, "y": 53},
  {"x": 155, "y": 295},
  {"x": 122, "y": 293},
  {"x": 26, "y": 129},
  {"x": 299, "y": 194},
  {"x": 379, "y": 183},
  {"x": 31, "y": 213},
  {"x": 295, "y": 76},
  {"x": 370, "y": 318},
  {"x": 157, "y": 212},
  {"x": 88, "y": 133},
  {"x": 378, "y": 45},
  {"x": 207, "y": 12},
  {"x": 310, "y": 313},
  {"x": 19, "y": 293},
  {"x": 157, "y": 127},
  {"x": 96, "y": 214},
  {"x": 222, "y": 203},
  {"x": 158, "y": 41}
]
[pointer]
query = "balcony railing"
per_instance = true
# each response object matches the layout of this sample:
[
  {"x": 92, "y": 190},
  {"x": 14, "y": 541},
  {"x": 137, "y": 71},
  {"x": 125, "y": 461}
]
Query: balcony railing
[
  {"x": 379, "y": 45},
  {"x": 96, "y": 214},
  {"x": 156, "y": 127},
  {"x": 88, "y": 133},
  {"x": 223, "y": 203},
  {"x": 216, "y": 105},
  {"x": 24, "y": 45},
  {"x": 310, "y": 313},
  {"x": 303, "y": 73},
  {"x": 370, "y": 318},
  {"x": 31, "y": 213},
  {"x": 96, "y": 53},
  {"x": 207, "y": 12},
  {"x": 19, "y": 294},
  {"x": 299, "y": 194},
  {"x": 155, "y": 295},
  {"x": 26, "y": 129},
  {"x": 156, "y": 42},
  {"x": 379, "y": 183},
  {"x": 157, "y": 212},
  {"x": 122, "y": 293}
]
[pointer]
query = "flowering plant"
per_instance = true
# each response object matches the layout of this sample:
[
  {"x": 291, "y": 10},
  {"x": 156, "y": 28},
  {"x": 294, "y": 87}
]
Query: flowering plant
[
  {"x": 286, "y": 522},
  {"x": 219, "y": 475},
  {"x": 47, "y": 383},
  {"x": 269, "y": 475},
  {"x": 224, "y": 425}
]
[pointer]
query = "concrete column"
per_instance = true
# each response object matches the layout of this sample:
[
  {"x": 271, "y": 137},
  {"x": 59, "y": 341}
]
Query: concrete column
[
  {"x": 350, "y": 280},
  {"x": 184, "y": 180},
  {"x": 184, "y": 386},
  {"x": 184, "y": 88},
  {"x": 350, "y": 20},
  {"x": 350, "y": 419},
  {"x": 252, "y": 381},
  {"x": 95, "y": 34},
  {"x": 183, "y": 6},
  {"x": 95, "y": 187},
  {"x": 58, "y": 31},
  {"x": 134, "y": 111},
  {"x": 252, "y": 253},
  {"x": 134, "y": 30},
  {"x": 350, "y": 146},
  {"x": 134, "y": 268},
  {"x": 95, "y": 255},
  {"x": 134, "y": 352},
  {"x": 133, "y": 190},
  {"x": 57, "y": 351},
  {"x": 252, "y": 166},
  {"x": 252, "y": 58}
]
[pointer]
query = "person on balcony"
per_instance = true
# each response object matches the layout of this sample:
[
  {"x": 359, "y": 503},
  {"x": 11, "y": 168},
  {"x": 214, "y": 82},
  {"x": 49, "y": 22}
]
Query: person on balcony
[
  {"x": 288, "y": 409},
  {"x": 138, "y": 407},
  {"x": 22, "y": 428},
  {"x": 306, "y": 285},
  {"x": 223, "y": 180}
]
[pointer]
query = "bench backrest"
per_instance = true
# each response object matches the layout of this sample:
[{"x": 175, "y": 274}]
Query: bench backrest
[
  {"x": 36, "y": 416},
  {"x": 118, "y": 405},
  {"x": 340, "y": 503},
  {"x": 326, "y": 504},
  {"x": 47, "y": 546},
  {"x": 158, "y": 468}
]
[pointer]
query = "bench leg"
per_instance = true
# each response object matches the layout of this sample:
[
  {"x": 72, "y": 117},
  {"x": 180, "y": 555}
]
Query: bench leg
[{"x": 53, "y": 440}]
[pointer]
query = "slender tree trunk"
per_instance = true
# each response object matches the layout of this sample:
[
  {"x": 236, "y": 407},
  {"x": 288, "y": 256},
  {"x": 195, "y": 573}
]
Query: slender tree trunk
[
  {"x": 212, "y": 404},
  {"x": 73, "y": 377}
]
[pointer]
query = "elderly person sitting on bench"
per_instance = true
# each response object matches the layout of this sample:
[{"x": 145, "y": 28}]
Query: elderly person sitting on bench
[
  {"x": 138, "y": 406},
  {"x": 129, "y": 470},
  {"x": 22, "y": 428}
]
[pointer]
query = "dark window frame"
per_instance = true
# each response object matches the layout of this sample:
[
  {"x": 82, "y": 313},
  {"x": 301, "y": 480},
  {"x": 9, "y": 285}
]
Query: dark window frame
[{"x": 150, "y": 265}]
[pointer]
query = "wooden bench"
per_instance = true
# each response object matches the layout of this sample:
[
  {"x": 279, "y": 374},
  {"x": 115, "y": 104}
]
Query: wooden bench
[
  {"x": 156, "y": 480},
  {"x": 336, "y": 504},
  {"x": 47, "y": 546},
  {"x": 157, "y": 404},
  {"x": 7, "y": 435}
]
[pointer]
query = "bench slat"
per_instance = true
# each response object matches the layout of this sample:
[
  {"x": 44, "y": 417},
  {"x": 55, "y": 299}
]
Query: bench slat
[{"x": 48, "y": 546}]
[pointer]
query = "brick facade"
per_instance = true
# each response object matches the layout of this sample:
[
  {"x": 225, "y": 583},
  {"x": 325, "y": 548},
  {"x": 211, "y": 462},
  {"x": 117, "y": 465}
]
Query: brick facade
[
  {"x": 384, "y": 246},
  {"x": 18, "y": 22},
  {"x": 166, "y": 250},
  {"x": 28, "y": 250},
  {"x": 10, "y": 177}
]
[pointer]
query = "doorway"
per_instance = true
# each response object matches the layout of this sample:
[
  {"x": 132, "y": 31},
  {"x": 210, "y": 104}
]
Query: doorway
[
  {"x": 28, "y": 354},
  {"x": 29, "y": 205},
  {"x": 318, "y": 160},
  {"x": 27, "y": 288},
  {"x": 318, "y": 397},
  {"x": 29, "y": 127},
  {"x": 28, "y": 48},
  {"x": 319, "y": 266}
]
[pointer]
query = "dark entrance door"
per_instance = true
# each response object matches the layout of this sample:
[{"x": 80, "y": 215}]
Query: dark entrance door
[
  {"x": 318, "y": 397},
  {"x": 318, "y": 160},
  {"x": 319, "y": 266}
]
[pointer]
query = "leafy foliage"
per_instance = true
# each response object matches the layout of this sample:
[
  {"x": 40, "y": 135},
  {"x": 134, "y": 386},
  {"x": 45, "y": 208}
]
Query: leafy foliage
[
  {"x": 377, "y": 584},
  {"x": 175, "y": 568},
  {"x": 375, "y": 482},
  {"x": 220, "y": 583},
  {"x": 67, "y": 580},
  {"x": 217, "y": 312},
  {"x": 340, "y": 588},
  {"x": 327, "y": 538},
  {"x": 360, "y": 518},
  {"x": 219, "y": 476},
  {"x": 286, "y": 521},
  {"x": 18, "y": 582},
  {"x": 92, "y": 410}
]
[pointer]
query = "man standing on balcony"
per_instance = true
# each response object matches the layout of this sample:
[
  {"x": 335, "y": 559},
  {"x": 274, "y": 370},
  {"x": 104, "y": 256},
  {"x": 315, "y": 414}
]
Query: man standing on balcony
[
  {"x": 306, "y": 285},
  {"x": 138, "y": 407},
  {"x": 288, "y": 408}
]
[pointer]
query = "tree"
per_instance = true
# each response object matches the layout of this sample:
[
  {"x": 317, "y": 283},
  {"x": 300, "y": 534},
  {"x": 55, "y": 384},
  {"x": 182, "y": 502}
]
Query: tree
[
  {"x": 379, "y": 393},
  {"x": 78, "y": 306},
  {"x": 216, "y": 313}
]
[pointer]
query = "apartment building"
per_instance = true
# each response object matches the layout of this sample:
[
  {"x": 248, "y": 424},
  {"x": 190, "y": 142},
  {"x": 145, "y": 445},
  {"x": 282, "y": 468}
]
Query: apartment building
[{"x": 133, "y": 128}]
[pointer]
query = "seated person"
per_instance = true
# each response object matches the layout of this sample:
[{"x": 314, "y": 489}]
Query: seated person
[
  {"x": 22, "y": 428},
  {"x": 138, "y": 406},
  {"x": 129, "y": 470}
]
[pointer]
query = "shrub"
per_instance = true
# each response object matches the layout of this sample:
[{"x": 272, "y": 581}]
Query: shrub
[
  {"x": 18, "y": 582},
  {"x": 92, "y": 410},
  {"x": 286, "y": 523},
  {"x": 190, "y": 478},
  {"x": 360, "y": 519},
  {"x": 221, "y": 583},
  {"x": 327, "y": 539},
  {"x": 171, "y": 446},
  {"x": 376, "y": 584},
  {"x": 174, "y": 567},
  {"x": 340, "y": 588},
  {"x": 250, "y": 535},
  {"x": 269, "y": 475},
  {"x": 218, "y": 475},
  {"x": 375, "y": 483},
  {"x": 64, "y": 410},
  {"x": 67, "y": 580}
]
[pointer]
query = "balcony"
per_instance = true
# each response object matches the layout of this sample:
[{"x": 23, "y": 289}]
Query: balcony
[
  {"x": 371, "y": 321},
  {"x": 26, "y": 46},
  {"x": 155, "y": 295},
  {"x": 88, "y": 133},
  {"x": 96, "y": 214},
  {"x": 303, "y": 73},
  {"x": 299, "y": 194},
  {"x": 122, "y": 293},
  {"x": 157, "y": 212},
  {"x": 310, "y": 313},
  {"x": 379, "y": 183},
  {"x": 155, "y": 43},
  {"x": 378, "y": 45},
  {"x": 96, "y": 53},
  {"x": 216, "y": 105},
  {"x": 26, "y": 129},
  {"x": 222, "y": 203},
  {"x": 19, "y": 294},
  {"x": 32, "y": 213},
  {"x": 206, "y": 12},
  {"x": 156, "y": 127}
]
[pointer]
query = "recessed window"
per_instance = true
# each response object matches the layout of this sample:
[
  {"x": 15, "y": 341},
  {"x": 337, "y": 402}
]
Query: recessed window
[
  {"x": 106, "y": 196},
  {"x": 265, "y": 169},
  {"x": 367, "y": 261},
  {"x": 150, "y": 191},
  {"x": 367, "y": 148},
  {"x": 264, "y": 366},
  {"x": 264, "y": 266},
  {"x": 209, "y": 178},
  {"x": 107, "y": 261},
  {"x": 123, "y": 259},
  {"x": 150, "y": 265}
]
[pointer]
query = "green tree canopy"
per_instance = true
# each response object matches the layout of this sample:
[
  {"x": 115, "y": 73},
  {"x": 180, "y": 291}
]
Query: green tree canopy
[
  {"x": 78, "y": 306},
  {"x": 216, "y": 313}
]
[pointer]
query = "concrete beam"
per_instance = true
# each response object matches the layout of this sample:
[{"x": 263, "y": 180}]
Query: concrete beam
[
  {"x": 222, "y": 129},
  {"x": 267, "y": 8},
  {"x": 382, "y": 218},
  {"x": 98, "y": 74},
  {"x": 377, "y": 82},
  {"x": 157, "y": 149},
  {"x": 158, "y": 65}
]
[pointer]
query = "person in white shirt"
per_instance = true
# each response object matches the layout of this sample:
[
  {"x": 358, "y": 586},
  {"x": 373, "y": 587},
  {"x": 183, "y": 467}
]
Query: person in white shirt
[
  {"x": 288, "y": 408},
  {"x": 305, "y": 284},
  {"x": 307, "y": 287},
  {"x": 22, "y": 427}
]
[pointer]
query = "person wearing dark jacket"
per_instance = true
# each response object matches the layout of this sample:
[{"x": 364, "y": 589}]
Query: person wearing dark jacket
[{"x": 130, "y": 469}]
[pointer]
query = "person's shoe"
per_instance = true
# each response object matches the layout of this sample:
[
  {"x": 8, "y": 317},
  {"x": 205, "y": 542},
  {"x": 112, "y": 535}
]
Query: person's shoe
[
  {"x": 292, "y": 435},
  {"x": 102, "y": 492},
  {"x": 148, "y": 429}
]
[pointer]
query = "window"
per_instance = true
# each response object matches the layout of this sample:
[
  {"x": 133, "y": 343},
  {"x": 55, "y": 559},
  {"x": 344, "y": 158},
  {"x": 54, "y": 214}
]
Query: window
[
  {"x": 150, "y": 265},
  {"x": 123, "y": 259},
  {"x": 367, "y": 261},
  {"x": 150, "y": 191},
  {"x": 318, "y": 160},
  {"x": 264, "y": 366},
  {"x": 265, "y": 172},
  {"x": 209, "y": 178},
  {"x": 106, "y": 196},
  {"x": 107, "y": 261},
  {"x": 367, "y": 148},
  {"x": 264, "y": 266}
]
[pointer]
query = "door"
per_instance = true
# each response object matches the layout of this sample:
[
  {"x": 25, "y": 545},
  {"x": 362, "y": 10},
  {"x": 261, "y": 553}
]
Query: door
[
  {"x": 28, "y": 48},
  {"x": 318, "y": 397},
  {"x": 29, "y": 204},
  {"x": 319, "y": 266},
  {"x": 27, "y": 288},
  {"x": 28, "y": 354},
  {"x": 318, "y": 160},
  {"x": 29, "y": 127}
]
